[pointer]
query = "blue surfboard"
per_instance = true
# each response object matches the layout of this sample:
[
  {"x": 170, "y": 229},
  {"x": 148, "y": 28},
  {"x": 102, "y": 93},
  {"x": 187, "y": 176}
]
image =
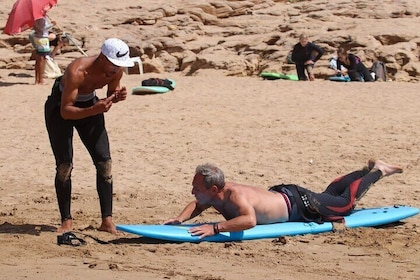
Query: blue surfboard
[
  {"x": 359, "y": 218},
  {"x": 339, "y": 78}
]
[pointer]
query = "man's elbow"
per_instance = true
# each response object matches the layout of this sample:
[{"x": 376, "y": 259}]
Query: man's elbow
[
  {"x": 252, "y": 222},
  {"x": 65, "y": 114}
]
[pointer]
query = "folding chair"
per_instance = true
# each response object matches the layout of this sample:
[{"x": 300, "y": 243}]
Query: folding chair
[{"x": 140, "y": 64}]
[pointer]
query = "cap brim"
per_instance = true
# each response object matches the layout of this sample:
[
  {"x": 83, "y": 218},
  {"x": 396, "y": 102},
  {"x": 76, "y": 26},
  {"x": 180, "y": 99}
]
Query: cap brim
[{"x": 122, "y": 63}]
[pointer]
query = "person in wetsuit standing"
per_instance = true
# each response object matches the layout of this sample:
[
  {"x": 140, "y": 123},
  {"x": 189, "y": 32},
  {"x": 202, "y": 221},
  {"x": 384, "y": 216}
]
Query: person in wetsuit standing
[
  {"x": 73, "y": 104},
  {"x": 304, "y": 55}
]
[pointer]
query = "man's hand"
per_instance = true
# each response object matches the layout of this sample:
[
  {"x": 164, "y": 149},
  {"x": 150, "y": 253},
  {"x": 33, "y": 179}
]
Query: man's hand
[
  {"x": 103, "y": 105},
  {"x": 120, "y": 95},
  {"x": 203, "y": 230}
]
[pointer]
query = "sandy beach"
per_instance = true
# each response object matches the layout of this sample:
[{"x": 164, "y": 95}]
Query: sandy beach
[{"x": 259, "y": 132}]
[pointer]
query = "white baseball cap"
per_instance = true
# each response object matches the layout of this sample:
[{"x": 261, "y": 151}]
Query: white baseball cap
[{"x": 117, "y": 52}]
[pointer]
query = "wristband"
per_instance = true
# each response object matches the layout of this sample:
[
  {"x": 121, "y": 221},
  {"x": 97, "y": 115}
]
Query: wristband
[{"x": 216, "y": 228}]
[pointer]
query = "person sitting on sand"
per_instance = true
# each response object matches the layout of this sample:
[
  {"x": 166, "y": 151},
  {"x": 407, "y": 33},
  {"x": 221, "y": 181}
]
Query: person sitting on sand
[
  {"x": 244, "y": 206},
  {"x": 73, "y": 104},
  {"x": 353, "y": 66}
]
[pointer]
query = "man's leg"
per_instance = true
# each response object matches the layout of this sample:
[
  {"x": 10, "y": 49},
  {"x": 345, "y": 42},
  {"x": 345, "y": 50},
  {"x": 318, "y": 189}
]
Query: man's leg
[
  {"x": 63, "y": 191},
  {"x": 329, "y": 203},
  {"x": 95, "y": 138},
  {"x": 300, "y": 69},
  {"x": 60, "y": 133}
]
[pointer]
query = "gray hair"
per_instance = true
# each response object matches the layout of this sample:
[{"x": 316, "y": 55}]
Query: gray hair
[
  {"x": 212, "y": 175},
  {"x": 303, "y": 36}
]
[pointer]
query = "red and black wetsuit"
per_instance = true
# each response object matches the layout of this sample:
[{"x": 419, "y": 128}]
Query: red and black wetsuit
[{"x": 338, "y": 199}]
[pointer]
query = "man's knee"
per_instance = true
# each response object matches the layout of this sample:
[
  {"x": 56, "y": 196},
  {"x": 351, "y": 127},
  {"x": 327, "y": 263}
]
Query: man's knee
[
  {"x": 104, "y": 169},
  {"x": 64, "y": 171}
]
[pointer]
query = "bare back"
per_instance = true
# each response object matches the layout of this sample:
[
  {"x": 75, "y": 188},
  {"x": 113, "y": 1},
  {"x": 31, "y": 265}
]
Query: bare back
[{"x": 270, "y": 207}]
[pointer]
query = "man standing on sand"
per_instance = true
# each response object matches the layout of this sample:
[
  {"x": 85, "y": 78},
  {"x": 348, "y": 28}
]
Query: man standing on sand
[
  {"x": 304, "y": 55},
  {"x": 244, "y": 206},
  {"x": 73, "y": 104}
]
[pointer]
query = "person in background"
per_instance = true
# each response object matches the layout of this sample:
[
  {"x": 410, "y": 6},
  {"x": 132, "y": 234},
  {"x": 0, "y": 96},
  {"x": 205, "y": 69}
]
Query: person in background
[
  {"x": 354, "y": 67},
  {"x": 39, "y": 39},
  {"x": 73, "y": 104},
  {"x": 304, "y": 55}
]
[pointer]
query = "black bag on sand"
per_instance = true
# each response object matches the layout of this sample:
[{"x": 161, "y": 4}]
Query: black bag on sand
[{"x": 158, "y": 82}]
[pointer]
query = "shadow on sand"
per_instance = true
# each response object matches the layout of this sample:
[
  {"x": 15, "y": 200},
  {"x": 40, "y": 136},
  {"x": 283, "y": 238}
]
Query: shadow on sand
[
  {"x": 141, "y": 240},
  {"x": 25, "y": 229}
]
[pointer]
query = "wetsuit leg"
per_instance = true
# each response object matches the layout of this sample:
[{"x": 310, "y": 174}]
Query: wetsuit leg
[
  {"x": 94, "y": 136},
  {"x": 367, "y": 77},
  {"x": 340, "y": 184},
  {"x": 360, "y": 73},
  {"x": 355, "y": 76},
  {"x": 340, "y": 197},
  {"x": 60, "y": 134},
  {"x": 300, "y": 69}
]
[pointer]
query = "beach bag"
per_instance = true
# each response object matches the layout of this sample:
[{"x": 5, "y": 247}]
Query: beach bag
[
  {"x": 52, "y": 70},
  {"x": 379, "y": 70},
  {"x": 158, "y": 82}
]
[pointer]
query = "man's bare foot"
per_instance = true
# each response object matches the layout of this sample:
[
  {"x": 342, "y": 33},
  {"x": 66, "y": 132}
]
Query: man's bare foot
[
  {"x": 311, "y": 77},
  {"x": 387, "y": 169},
  {"x": 108, "y": 225},
  {"x": 66, "y": 226}
]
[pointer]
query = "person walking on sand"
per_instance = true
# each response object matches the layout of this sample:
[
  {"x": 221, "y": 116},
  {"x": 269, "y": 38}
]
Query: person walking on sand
[
  {"x": 73, "y": 104},
  {"x": 304, "y": 55},
  {"x": 244, "y": 206}
]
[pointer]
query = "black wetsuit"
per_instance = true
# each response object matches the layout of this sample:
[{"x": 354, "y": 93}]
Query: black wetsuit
[
  {"x": 94, "y": 136},
  {"x": 302, "y": 54},
  {"x": 356, "y": 69},
  {"x": 338, "y": 199}
]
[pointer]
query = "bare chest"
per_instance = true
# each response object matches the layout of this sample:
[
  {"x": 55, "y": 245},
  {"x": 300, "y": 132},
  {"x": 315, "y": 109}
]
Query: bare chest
[{"x": 91, "y": 84}]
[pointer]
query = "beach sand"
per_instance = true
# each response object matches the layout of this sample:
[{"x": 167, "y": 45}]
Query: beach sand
[{"x": 259, "y": 132}]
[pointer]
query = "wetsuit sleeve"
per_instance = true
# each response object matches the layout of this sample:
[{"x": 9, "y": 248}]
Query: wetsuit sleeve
[
  {"x": 353, "y": 61},
  {"x": 294, "y": 53},
  {"x": 318, "y": 49}
]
